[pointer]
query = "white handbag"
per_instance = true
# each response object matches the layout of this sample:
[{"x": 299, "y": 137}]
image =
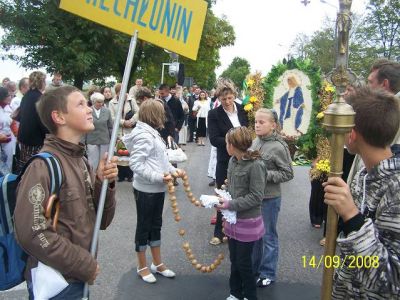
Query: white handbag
[{"x": 175, "y": 154}]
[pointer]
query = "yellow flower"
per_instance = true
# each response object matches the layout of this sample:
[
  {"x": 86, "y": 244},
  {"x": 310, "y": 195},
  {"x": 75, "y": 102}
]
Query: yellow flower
[
  {"x": 329, "y": 88},
  {"x": 253, "y": 99},
  {"x": 323, "y": 166},
  {"x": 320, "y": 115},
  {"x": 250, "y": 82},
  {"x": 248, "y": 107}
]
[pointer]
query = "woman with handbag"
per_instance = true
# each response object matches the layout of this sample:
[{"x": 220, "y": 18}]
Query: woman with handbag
[
  {"x": 127, "y": 122},
  {"x": 149, "y": 161}
]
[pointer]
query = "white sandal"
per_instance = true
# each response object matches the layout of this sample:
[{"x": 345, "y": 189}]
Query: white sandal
[
  {"x": 166, "y": 273},
  {"x": 147, "y": 278}
]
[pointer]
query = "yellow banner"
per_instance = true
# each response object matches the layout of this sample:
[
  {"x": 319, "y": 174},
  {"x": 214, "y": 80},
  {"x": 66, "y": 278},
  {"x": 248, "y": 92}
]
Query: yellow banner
[{"x": 175, "y": 25}]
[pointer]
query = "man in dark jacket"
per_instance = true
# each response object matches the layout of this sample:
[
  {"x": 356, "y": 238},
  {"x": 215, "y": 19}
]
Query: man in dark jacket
[
  {"x": 176, "y": 109},
  {"x": 192, "y": 119}
]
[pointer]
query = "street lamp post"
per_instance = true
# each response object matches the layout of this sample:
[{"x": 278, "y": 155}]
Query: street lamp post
[
  {"x": 338, "y": 120},
  {"x": 162, "y": 71}
]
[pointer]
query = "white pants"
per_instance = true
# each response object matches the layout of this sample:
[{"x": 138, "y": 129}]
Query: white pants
[
  {"x": 212, "y": 163},
  {"x": 95, "y": 153},
  {"x": 183, "y": 135},
  {"x": 9, "y": 150}
]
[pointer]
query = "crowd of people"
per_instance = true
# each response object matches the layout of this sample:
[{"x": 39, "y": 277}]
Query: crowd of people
[{"x": 76, "y": 128}]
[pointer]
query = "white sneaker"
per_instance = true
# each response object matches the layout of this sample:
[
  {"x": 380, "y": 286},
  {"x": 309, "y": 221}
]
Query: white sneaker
[
  {"x": 147, "y": 278},
  {"x": 231, "y": 297},
  {"x": 166, "y": 273}
]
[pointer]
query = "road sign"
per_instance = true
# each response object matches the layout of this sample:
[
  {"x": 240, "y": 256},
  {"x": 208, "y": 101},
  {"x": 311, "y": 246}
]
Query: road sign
[{"x": 175, "y": 25}]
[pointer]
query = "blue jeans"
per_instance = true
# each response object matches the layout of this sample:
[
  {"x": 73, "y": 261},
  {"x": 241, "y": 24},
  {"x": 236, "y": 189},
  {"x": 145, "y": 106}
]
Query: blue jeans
[
  {"x": 74, "y": 291},
  {"x": 266, "y": 250}
]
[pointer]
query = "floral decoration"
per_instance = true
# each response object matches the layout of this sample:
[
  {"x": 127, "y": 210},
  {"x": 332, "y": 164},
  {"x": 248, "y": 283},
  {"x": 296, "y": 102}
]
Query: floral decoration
[{"x": 253, "y": 96}]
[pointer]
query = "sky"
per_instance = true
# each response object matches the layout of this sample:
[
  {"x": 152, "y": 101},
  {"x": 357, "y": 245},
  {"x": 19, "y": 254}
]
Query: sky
[{"x": 264, "y": 30}]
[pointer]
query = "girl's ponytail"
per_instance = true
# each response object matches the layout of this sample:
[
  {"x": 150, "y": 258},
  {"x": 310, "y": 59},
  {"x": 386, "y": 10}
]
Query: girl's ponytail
[{"x": 252, "y": 154}]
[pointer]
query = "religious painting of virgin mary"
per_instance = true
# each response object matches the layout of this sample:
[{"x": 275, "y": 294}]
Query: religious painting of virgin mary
[{"x": 293, "y": 103}]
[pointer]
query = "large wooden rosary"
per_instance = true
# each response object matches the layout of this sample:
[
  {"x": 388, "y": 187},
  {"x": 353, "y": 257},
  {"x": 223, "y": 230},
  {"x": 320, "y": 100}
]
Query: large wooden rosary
[{"x": 186, "y": 246}]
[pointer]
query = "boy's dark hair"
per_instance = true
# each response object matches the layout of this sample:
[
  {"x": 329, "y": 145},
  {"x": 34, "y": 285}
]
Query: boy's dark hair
[
  {"x": 389, "y": 70},
  {"x": 55, "y": 99},
  {"x": 164, "y": 86},
  {"x": 377, "y": 115},
  {"x": 143, "y": 93}
]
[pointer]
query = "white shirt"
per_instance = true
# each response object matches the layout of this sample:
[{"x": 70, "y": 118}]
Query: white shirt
[
  {"x": 168, "y": 98},
  {"x": 15, "y": 103},
  {"x": 202, "y": 108},
  {"x": 5, "y": 120},
  {"x": 97, "y": 112},
  {"x": 233, "y": 116}
]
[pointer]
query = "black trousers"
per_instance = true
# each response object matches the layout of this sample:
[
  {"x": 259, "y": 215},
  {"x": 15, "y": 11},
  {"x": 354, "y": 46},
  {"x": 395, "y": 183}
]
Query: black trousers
[
  {"x": 220, "y": 176},
  {"x": 192, "y": 127},
  {"x": 241, "y": 281},
  {"x": 317, "y": 207},
  {"x": 149, "y": 208},
  {"x": 124, "y": 172}
]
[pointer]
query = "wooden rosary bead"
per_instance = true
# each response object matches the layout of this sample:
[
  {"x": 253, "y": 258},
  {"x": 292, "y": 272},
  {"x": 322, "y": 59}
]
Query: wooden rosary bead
[
  {"x": 203, "y": 269},
  {"x": 220, "y": 256},
  {"x": 182, "y": 232},
  {"x": 175, "y": 211},
  {"x": 198, "y": 266},
  {"x": 178, "y": 218},
  {"x": 186, "y": 245},
  {"x": 194, "y": 262},
  {"x": 197, "y": 203}
]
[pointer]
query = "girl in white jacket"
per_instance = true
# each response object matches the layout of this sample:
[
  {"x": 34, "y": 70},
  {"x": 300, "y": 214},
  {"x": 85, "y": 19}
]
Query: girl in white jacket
[{"x": 152, "y": 170}]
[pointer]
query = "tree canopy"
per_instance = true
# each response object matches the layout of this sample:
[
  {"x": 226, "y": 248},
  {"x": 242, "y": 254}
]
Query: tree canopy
[
  {"x": 374, "y": 35},
  {"x": 82, "y": 50},
  {"x": 237, "y": 71}
]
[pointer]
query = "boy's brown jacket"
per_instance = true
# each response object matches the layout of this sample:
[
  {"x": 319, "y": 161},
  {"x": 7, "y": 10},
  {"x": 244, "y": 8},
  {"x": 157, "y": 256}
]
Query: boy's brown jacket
[{"x": 66, "y": 250}]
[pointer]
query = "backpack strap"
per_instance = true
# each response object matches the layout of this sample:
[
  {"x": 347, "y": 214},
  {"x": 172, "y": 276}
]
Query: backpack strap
[{"x": 54, "y": 168}]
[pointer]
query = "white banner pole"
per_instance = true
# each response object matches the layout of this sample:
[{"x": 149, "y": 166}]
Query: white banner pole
[{"x": 118, "y": 116}]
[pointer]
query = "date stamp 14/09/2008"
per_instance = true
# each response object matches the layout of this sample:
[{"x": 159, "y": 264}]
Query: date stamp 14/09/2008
[{"x": 337, "y": 261}]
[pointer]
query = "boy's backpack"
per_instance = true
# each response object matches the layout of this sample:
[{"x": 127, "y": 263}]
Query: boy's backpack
[{"x": 12, "y": 256}]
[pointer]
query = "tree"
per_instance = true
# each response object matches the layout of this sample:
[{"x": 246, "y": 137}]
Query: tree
[
  {"x": 382, "y": 28},
  {"x": 83, "y": 50},
  {"x": 377, "y": 34},
  {"x": 237, "y": 71},
  {"x": 59, "y": 41},
  {"x": 217, "y": 33}
]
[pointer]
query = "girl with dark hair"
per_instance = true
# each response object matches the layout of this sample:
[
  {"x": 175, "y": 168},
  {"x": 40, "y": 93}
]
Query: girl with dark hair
[{"x": 246, "y": 182}]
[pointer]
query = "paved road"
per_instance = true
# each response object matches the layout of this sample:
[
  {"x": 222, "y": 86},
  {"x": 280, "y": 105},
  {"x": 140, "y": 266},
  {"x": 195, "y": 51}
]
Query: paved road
[{"x": 118, "y": 279}]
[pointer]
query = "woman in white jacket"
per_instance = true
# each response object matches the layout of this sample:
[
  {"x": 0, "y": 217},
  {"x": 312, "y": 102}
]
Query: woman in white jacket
[{"x": 152, "y": 170}]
